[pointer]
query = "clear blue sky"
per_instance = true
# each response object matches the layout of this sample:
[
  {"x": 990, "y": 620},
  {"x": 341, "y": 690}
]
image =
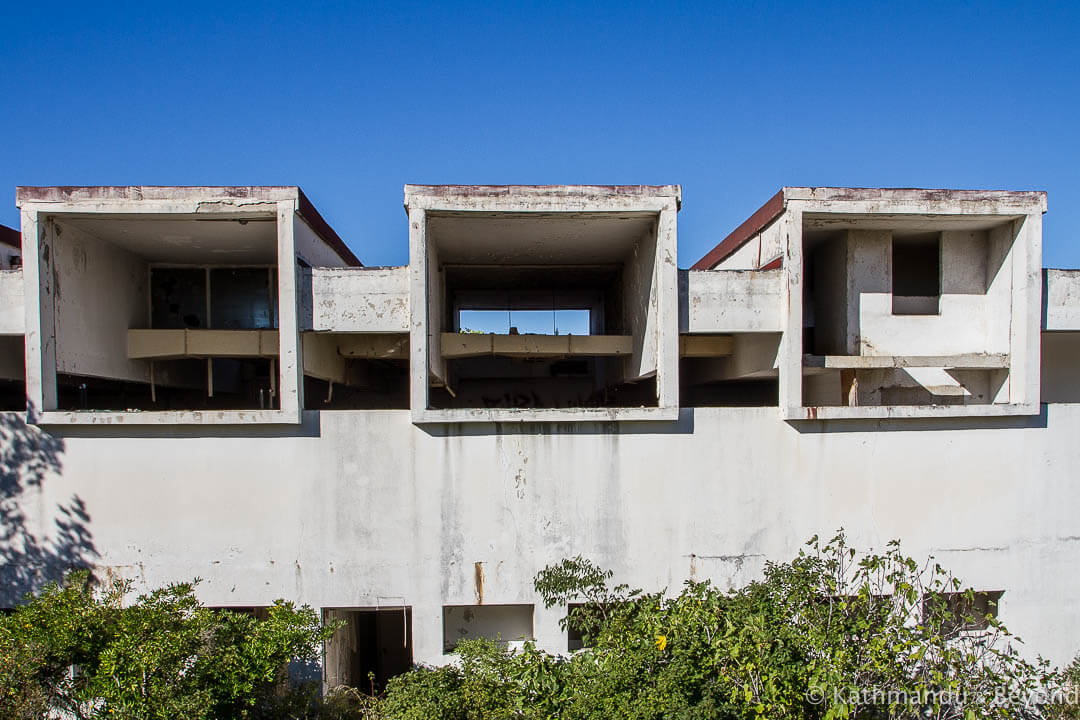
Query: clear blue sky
[{"x": 731, "y": 101}]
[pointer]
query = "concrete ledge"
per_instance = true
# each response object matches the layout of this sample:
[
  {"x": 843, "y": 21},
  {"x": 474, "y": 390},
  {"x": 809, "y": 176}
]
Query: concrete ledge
[
  {"x": 168, "y": 417},
  {"x": 494, "y": 415},
  {"x": 878, "y": 412},
  {"x": 974, "y": 361},
  {"x": 190, "y": 343}
]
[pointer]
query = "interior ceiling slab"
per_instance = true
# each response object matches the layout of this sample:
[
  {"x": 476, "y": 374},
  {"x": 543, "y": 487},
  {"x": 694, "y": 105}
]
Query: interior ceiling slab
[
  {"x": 912, "y": 223},
  {"x": 248, "y": 241},
  {"x": 537, "y": 238}
]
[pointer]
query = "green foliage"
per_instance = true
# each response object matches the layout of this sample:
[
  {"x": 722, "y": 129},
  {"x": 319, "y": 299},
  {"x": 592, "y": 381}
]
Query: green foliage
[
  {"x": 90, "y": 655},
  {"x": 831, "y": 634}
]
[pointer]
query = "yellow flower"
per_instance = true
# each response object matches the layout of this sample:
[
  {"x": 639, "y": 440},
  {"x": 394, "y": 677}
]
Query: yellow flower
[{"x": 661, "y": 642}]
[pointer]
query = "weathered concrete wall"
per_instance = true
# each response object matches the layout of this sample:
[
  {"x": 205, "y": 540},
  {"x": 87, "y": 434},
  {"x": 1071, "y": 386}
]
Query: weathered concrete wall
[
  {"x": 12, "y": 310},
  {"x": 359, "y": 300},
  {"x": 354, "y": 505},
  {"x": 1061, "y": 299},
  {"x": 100, "y": 293},
  {"x": 722, "y": 301},
  {"x": 641, "y": 290},
  {"x": 311, "y": 248}
]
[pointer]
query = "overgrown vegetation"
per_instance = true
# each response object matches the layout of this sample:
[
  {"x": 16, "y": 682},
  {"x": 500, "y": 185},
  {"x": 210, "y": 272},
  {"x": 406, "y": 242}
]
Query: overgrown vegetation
[
  {"x": 85, "y": 654},
  {"x": 831, "y": 634}
]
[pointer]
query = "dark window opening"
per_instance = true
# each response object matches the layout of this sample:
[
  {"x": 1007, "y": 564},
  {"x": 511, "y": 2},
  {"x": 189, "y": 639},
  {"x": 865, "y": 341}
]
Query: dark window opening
[
  {"x": 916, "y": 274},
  {"x": 540, "y": 383},
  {"x": 12, "y": 395},
  {"x": 374, "y": 385},
  {"x": 238, "y": 298},
  {"x": 372, "y": 646},
  {"x": 962, "y": 611},
  {"x": 238, "y": 384}
]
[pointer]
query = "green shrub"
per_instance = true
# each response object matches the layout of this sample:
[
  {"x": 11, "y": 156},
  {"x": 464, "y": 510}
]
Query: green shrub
[{"x": 90, "y": 655}]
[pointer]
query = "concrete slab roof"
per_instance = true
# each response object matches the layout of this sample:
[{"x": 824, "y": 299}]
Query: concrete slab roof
[
  {"x": 834, "y": 199},
  {"x": 10, "y": 236},
  {"x": 544, "y": 192},
  {"x": 76, "y": 194}
]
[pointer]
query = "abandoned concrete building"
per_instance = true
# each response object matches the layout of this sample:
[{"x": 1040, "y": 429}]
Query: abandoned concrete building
[{"x": 206, "y": 382}]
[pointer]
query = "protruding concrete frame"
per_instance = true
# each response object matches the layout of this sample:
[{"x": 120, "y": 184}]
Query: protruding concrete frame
[
  {"x": 295, "y": 217},
  {"x": 663, "y": 201},
  {"x": 1025, "y": 209}
]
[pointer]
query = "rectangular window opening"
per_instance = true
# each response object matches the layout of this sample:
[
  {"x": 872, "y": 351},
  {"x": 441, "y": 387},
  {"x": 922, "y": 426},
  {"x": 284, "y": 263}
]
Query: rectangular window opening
[
  {"x": 525, "y": 322},
  {"x": 968, "y": 611},
  {"x": 916, "y": 281},
  {"x": 503, "y": 624}
]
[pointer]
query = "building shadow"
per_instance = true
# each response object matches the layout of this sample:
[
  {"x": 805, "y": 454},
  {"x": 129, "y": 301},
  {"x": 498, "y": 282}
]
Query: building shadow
[{"x": 33, "y": 550}]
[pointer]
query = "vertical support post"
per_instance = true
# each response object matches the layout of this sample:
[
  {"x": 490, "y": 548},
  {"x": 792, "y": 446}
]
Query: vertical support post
[
  {"x": 1025, "y": 339},
  {"x": 666, "y": 286},
  {"x": 419, "y": 337},
  {"x": 290, "y": 358},
  {"x": 39, "y": 255},
  {"x": 791, "y": 315}
]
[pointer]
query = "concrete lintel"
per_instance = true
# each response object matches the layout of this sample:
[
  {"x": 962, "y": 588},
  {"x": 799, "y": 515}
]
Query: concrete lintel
[{"x": 971, "y": 361}]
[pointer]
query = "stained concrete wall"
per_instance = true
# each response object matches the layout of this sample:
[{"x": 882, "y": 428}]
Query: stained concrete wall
[
  {"x": 12, "y": 311},
  {"x": 311, "y": 248},
  {"x": 353, "y": 505},
  {"x": 641, "y": 291},
  {"x": 1061, "y": 299},
  {"x": 723, "y": 301},
  {"x": 100, "y": 293},
  {"x": 358, "y": 300},
  {"x": 974, "y": 308}
]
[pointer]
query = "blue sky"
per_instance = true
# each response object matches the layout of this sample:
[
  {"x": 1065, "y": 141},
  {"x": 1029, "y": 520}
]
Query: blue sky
[{"x": 352, "y": 101}]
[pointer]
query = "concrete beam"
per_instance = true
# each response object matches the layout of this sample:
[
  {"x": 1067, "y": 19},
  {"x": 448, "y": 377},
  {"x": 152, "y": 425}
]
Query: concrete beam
[
  {"x": 373, "y": 346},
  {"x": 698, "y": 346},
  {"x": 201, "y": 343},
  {"x": 973, "y": 361}
]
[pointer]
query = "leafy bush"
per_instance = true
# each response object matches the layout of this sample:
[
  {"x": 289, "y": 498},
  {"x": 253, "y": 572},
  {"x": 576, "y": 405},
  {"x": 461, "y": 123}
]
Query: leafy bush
[{"x": 88, "y": 655}]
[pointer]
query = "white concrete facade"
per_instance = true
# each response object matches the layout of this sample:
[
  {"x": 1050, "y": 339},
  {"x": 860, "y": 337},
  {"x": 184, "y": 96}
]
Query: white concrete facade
[{"x": 714, "y": 467}]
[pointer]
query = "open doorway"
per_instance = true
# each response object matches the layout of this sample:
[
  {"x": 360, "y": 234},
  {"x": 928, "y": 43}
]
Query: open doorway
[{"x": 373, "y": 645}]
